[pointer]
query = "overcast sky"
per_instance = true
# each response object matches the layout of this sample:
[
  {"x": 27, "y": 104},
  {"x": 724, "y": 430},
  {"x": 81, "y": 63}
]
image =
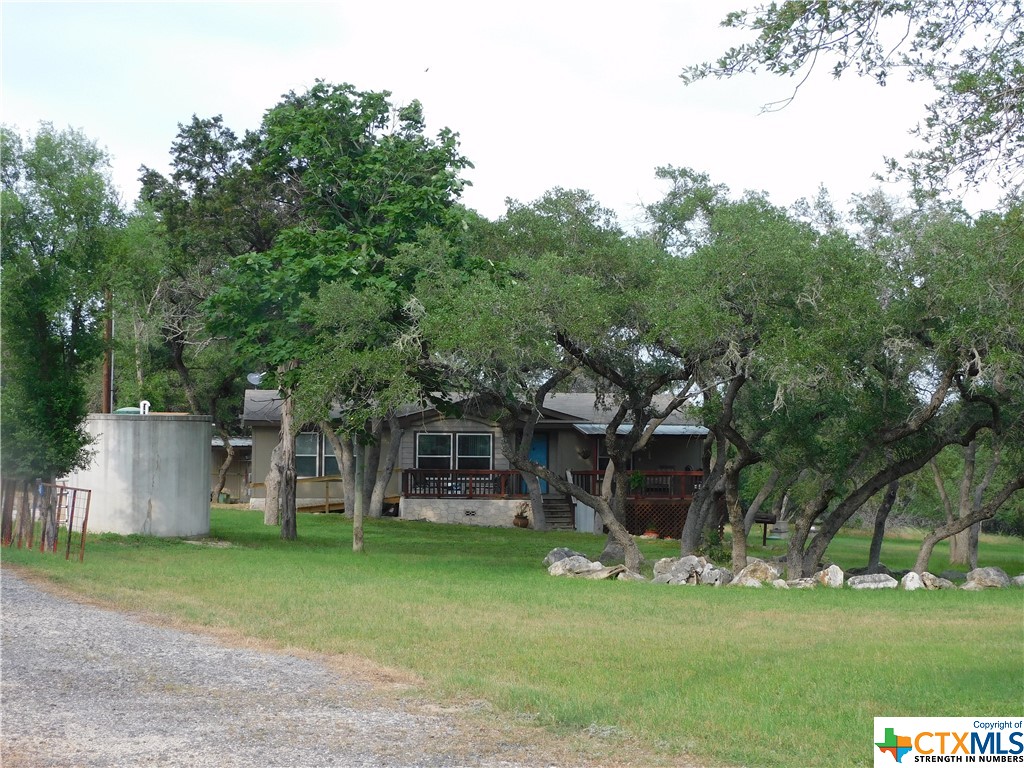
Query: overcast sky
[{"x": 543, "y": 94}]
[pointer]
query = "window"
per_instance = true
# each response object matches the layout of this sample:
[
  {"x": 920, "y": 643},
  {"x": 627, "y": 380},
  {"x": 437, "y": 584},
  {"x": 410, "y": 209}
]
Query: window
[
  {"x": 433, "y": 451},
  {"x": 330, "y": 460},
  {"x": 306, "y": 454},
  {"x": 603, "y": 458},
  {"x": 473, "y": 451}
]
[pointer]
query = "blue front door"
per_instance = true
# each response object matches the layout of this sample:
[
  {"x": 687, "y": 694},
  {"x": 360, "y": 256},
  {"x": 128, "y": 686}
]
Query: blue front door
[{"x": 539, "y": 455}]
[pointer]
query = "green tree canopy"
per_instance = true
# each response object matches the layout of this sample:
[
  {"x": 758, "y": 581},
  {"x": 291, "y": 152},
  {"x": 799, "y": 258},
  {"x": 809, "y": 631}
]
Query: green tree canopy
[
  {"x": 360, "y": 178},
  {"x": 60, "y": 218},
  {"x": 360, "y": 181}
]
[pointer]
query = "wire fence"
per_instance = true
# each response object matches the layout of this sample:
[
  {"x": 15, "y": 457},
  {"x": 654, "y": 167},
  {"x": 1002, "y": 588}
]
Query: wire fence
[{"x": 61, "y": 513}]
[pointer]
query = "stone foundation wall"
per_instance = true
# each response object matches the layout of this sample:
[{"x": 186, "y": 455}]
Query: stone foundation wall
[{"x": 492, "y": 512}]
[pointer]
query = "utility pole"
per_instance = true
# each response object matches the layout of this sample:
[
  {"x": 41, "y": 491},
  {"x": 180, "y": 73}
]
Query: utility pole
[{"x": 108, "y": 355}]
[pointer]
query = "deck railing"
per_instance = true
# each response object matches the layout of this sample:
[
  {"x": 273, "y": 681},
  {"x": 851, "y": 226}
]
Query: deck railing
[
  {"x": 647, "y": 484},
  {"x": 462, "y": 483},
  {"x": 476, "y": 483}
]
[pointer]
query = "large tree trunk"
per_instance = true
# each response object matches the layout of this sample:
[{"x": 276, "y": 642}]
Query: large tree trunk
[
  {"x": 382, "y": 475},
  {"x": 176, "y": 341},
  {"x": 701, "y": 516},
  {"x": 619, "y": 538},
  {"x": 10, "y": 488},
  {"x": 272, "y": 487},
  {"x": 612, "y": 546},
  {"x": 831, "y": 522},
  {"x": 620, "y": 543},
  {"x": 960, "y": 543},
  {"x": 704, "y": 505},
  {"x": 358, "y": 512},
  {"x": 759, "y": 500},
  {"x": 801, "y": 531},
  {"x": 952, "y": 527},
  {"x": 617, "y": 532},
  {"x": 140, "y": 327},
  {"x": 978, "y": 499},
  {"x": 518, "y": 456},
  {"x": 48, "y": 518},
  {"x": 963, "y": 546},
  {"x": 371, "y": 465},
  {"x": 972, "y": 546},
  {"x": 289, "y": 525},
  {"x": 342, "y": 447},
  {"x": 229, "y": 457},
  {"x": 348, "y": 474},
  {"x": 735, "y": 509},
  {"x": 26, "y": 516},
  {"x": 540, "y": 522},
  {"x": 881, "y": 516}
]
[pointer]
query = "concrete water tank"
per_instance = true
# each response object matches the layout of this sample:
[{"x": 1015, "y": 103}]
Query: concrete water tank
[{"x": 150, "y": 474}]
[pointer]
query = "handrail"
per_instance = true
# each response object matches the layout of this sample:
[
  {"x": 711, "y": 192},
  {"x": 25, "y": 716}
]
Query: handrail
[
  {"x": 647, "y": 484},
  {"x": 476, "y": 483},
  {"x": 462, "y": 483},
  {"x": 329, "y": 503}
]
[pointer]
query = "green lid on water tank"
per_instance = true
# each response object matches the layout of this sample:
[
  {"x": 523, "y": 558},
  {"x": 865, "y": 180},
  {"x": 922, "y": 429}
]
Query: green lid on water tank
[{"x": 130, "y": 410}]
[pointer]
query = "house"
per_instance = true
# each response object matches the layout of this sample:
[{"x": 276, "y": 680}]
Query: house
[{"x": 452, "y": 469}]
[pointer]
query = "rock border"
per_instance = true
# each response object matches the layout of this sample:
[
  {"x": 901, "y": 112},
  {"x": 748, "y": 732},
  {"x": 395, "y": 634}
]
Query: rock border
[{"x": 693, "y": 570}]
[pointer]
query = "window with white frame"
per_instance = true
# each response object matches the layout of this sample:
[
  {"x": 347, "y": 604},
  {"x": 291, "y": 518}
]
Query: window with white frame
[
  {"x": 307, "y": 454},
  {"x": 462, "y": 450},
  {"x": 433, "y": 450},
  {"x": 330, "y": 463},
  {"x": 603, "y": 458},
  {"x": 473, "y": 451}
]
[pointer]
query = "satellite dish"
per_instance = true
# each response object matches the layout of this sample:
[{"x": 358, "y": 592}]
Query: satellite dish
[{"x": 255, "y": 378}]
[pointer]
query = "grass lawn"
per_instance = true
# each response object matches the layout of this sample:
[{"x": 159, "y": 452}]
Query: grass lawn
[{"x": 755, "y": 677}]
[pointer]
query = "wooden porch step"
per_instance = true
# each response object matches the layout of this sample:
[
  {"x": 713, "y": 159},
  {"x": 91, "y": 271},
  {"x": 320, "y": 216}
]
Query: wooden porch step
[{"x": 559, "y": 515}]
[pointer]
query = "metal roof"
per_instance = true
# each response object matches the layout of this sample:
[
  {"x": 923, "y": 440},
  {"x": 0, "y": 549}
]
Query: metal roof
[
  {"x": 236, "y": 442},
  {"x": 663, "y": 429}
]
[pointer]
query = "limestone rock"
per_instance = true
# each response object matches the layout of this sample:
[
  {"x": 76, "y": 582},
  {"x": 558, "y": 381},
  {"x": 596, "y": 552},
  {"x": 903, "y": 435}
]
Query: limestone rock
[
  {"x": 573, "y": 566},
  {"x": 912, "y": 581},
  {"x": 613, "y": 552},
  {"x": 745, "y": 581},
  {"x": 715, "y": 576},
  {"x": 758, "y": 570},
  {"x": 870, "y": 570},
  {"x": 780, "y": 584},
  {"x": 830, "y": 577},
  {"x": 1018, "y": 581},
  {"x": 989, "y": 577},
  {"x": 560, "y": 553},
  {"x": 873, "y": 581},
  {"x": 606, "y": 572},
  {"x": 679, "y": 570},
  {"x": 806, "y": 583},
  {"x": 665, "y": 565},
  {"x": 931, "y": 581},
  {"x": 973, "y": 586},
  {"x": 628, "y": 575}
]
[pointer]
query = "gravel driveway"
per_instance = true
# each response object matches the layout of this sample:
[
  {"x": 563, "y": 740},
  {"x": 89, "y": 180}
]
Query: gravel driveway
[{"x": 87, "y": 686}]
